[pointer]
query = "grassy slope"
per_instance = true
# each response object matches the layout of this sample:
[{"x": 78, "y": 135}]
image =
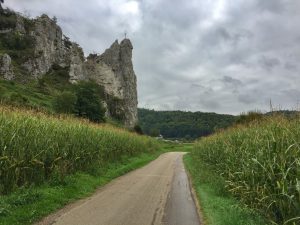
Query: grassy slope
[
  {"x": 218, "y": 208},
  {"x": 27, "y": 95}
]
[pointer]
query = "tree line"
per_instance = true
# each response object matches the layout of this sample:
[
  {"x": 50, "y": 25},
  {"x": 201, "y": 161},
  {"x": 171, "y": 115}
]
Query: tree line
[{"x": 182, "y": 125}]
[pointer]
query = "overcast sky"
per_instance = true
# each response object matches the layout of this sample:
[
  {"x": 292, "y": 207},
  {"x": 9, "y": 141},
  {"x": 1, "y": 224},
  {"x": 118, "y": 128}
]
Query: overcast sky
[{"x": 225, "y": 56}]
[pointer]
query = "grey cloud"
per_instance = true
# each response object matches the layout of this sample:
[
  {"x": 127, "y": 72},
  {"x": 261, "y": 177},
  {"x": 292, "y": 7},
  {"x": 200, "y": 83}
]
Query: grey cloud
[
  {"x": 274, "y": 6},
  {"x": 248, "y": 98},
  {"x": 210, "y": 104},
  {"x": 269, "y": 63},
  {"x": 193, "y": 55},
  {"x": 230, "y": 80},
  {"x": 290, "y": 66}
]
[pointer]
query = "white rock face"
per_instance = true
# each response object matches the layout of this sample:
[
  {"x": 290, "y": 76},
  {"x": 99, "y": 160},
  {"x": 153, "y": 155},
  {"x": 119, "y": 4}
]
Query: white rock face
[
  {"x": 76, "y": 64},
  {"x": 20, "y": 25},
  {"x": 114, "y": 71},
  {"x": 6, "y": 69},
  {"x": 49, "y": 48}
]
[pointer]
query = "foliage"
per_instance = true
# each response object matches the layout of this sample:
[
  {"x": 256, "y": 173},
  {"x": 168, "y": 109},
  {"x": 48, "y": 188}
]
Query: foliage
[
  {"x": 114, "y": 105},
  {"x": 54, "y": 93},
  {"x": 88, "y": 104},
  {"x": 35, "y": 148},
  {"x": 19, "y": 47},
  {"x": 64, "y": 102},
  {"x": 18, "y": 99},
  {"x": 137, "y": 128},
  {"x": 16, "y": 41},
  {"x": 178, "y": 124},
  {"x": 7, "y": 20},
  {"x": 56, "y": 79},
  {"x": 154, "y": 132},
  {"x": 260, "y": 164},
  {"x": 246, "y": 118}
]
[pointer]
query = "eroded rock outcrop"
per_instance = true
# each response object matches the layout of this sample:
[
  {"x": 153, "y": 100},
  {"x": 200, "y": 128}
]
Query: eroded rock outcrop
[
  {"x": 113, "y": 69},
  {"x": 49, "y": 47},
  {"x": 6, "y": 69}
]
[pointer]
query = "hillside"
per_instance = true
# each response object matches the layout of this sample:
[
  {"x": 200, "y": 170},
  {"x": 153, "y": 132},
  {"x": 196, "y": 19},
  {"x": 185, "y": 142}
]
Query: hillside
[
  {"x": 179, "y": 124},
  {"x": 30, "y": 49}
]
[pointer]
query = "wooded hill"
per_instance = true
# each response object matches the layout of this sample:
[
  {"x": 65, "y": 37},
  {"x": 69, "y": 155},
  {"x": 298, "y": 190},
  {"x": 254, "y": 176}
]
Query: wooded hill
[{"x": 182, "y": 125}]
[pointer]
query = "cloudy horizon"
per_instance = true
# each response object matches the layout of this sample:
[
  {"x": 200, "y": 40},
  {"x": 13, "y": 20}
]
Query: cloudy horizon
[{"x": 218, "y": 56}]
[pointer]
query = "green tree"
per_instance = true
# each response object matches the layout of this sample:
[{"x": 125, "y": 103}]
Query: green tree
[
  {"x": 89, "y": 103},
  {"x": 137, "y": 128},
  {"x": 65, "y": 102},
  {"x": 154, "y": 132}
]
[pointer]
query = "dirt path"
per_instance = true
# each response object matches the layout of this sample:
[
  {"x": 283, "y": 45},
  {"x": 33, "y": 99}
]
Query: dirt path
[{"x": 156, "y": 194}]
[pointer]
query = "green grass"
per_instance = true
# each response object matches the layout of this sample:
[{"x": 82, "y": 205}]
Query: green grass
[
  {"x": 176, "y": 147},
  {"x": 260, "y": 165},
  {"x": 37, "y": 94},
  {"x": 28, "y": 205},
  {"x": 25, "y": 95},
  {"x": 217, "y": 206}
]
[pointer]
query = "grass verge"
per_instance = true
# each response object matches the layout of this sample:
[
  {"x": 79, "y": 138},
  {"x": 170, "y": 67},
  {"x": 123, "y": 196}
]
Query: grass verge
[
  {"x": 29, "y": 205},
  {"x": 217, "y": 206}
]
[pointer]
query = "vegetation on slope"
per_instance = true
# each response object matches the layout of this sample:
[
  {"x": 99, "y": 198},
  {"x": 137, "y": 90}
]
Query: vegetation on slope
[
  {"x": 53, "y": 93},
  {"x": 35, "y": 148},
  {"x": 20, "y": 47},
  {"x": 260, "y": 166},
  {"x": 178, "y": 124}
]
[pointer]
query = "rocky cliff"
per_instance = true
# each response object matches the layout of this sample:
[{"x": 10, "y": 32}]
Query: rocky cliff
[{"x": 45, "y": 46}]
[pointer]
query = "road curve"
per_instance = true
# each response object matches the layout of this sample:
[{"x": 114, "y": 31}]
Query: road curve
[{"x": 156, "y": 194}]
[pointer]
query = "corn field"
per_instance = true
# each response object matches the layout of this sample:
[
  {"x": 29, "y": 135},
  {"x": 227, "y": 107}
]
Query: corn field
[
  {"x": 35, "y": 147},
  {"x": 261, "y": 165}
]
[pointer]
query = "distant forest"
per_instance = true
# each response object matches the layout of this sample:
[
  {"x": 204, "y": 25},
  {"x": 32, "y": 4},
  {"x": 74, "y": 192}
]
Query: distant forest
[{"x": 182, "y": 125}]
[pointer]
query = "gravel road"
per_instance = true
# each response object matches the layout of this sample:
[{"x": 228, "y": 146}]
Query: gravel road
[{"x": 156, "y": 194}]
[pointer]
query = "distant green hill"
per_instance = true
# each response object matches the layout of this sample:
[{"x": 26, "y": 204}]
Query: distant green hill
[{"x": 179, "y": 124}]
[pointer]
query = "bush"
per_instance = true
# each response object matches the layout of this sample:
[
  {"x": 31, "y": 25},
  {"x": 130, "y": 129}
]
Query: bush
[
  {"x": 65, "y": 102},
  {"x": 7, "y": 21},
  {"x": 246, "y": 118},
  {"x": 19, "y": 47},
  {"x": 89, "y": 103},
  {"x": 16, "y": 41},
  {"x": 18, "y": 99},
  {"x": 137, "y": 128},
  {"x": 154, "y": 132}
]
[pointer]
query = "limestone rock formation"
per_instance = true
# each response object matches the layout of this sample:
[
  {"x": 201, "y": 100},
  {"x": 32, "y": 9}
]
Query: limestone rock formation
[
  {"x": 6, "y": 70},
  {"x": 113, "y": 69},
  {"x": 49, "y": 47}
]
